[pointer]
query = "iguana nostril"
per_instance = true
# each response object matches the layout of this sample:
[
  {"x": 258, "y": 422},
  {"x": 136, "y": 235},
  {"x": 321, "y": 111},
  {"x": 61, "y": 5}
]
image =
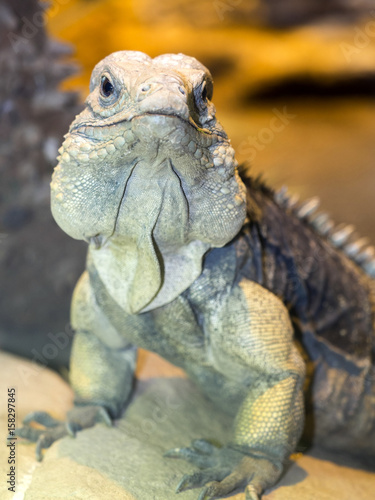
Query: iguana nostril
[
  {"x": 182, "y": 90},
  {"x": 145, "y": 88}
]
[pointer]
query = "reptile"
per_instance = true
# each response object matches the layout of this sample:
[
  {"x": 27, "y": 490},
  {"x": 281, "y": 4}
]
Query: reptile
[{"x": 262, "y": 300}]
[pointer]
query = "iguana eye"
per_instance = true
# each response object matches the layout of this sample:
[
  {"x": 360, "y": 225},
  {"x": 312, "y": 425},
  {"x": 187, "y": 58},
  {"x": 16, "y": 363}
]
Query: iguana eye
[
  {"x": 201, "y": 96},
  {"x": 204, "y": 92},
  {"x": 106, "y": 87}
]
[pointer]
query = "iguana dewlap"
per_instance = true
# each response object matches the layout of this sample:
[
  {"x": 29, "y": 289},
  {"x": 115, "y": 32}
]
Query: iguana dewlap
[{"x": 217, "y": 274}]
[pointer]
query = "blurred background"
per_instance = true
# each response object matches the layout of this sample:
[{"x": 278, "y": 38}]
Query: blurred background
[{"x": 294, "y": 88}]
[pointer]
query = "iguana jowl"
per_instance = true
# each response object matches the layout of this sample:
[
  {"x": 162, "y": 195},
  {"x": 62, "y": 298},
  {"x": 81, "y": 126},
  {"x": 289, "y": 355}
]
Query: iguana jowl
[{"x": 217, "y": 274}]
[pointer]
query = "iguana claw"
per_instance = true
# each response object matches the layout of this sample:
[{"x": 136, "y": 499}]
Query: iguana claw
[
  {"x": 224, "y": 470},
  {"x": 250, "y": 493},
  {"x": 80, "y": 417}
]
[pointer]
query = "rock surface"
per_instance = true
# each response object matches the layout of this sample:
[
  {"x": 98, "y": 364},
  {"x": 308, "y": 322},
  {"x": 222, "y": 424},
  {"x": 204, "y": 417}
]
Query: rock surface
[{"x": 125, "y": 461}]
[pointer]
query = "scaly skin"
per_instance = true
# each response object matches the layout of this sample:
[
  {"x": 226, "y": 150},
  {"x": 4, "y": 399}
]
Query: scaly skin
[{"x": 180, "y": 264}]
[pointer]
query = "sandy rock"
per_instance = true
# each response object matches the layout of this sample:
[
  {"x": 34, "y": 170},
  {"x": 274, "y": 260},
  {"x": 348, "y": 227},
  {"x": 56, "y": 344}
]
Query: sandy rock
[
  {"x": 36, "y": 389},
  {"x": 125, "y": 461}
]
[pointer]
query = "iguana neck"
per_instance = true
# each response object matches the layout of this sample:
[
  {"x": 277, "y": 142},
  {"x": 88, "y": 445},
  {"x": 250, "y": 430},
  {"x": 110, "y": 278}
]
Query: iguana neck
[{"x": 150, "y": 258}]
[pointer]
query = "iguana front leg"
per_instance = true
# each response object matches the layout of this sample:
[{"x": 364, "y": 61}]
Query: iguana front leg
[
  {"x": 101, "y": 374},
  {"x": 252, "y": 340}
]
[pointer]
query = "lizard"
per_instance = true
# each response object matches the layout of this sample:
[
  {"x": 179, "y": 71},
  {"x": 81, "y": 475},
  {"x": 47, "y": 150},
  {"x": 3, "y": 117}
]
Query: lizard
[{"x": 265, "y": 304}]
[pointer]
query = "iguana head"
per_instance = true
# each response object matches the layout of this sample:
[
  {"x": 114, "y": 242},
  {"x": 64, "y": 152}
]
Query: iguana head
[{"x": 148, "y": 177}]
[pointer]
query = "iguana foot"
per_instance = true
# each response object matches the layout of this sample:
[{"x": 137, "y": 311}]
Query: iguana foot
[
  {"x": 225, "y": 469},
  {"x": 80, "y": 417}
]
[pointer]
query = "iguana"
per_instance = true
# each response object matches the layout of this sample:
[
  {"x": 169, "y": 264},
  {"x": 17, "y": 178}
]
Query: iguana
[{"x": 238, "y": 285}]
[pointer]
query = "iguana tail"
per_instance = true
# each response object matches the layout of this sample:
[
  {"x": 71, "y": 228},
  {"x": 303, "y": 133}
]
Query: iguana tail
[{"x": 343, "y": 412}]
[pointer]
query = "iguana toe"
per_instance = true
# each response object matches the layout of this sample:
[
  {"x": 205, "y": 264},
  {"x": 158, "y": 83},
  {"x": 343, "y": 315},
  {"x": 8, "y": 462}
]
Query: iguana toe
[
  {"x": 200, "y": 478},
  {"x": 47, "y": 438},
  {"x": 224, "y": 470},
  {"x": 80, "y": 417},
  {"x": 83, "y": 417},
  {"x": 221, "y": 488},
  {"x": 193, "y": 456},
  {"x": 42, "y": 418}
]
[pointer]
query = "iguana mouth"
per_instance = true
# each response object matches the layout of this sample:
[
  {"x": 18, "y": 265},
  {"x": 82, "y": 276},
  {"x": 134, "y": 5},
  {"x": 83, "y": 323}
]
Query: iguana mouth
[
  {"x": 190, "y": 121},
  {"x": 81, "y": 129}
]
